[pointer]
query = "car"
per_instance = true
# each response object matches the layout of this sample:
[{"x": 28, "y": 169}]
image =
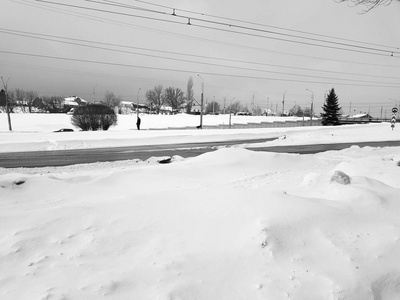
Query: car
[{"x": 64, "y": 130}]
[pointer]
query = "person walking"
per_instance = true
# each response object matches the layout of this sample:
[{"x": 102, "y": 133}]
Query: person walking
[{"x": 138, "y": 123}]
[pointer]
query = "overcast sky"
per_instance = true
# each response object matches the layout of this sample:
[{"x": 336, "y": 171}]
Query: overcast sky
[{"x": 273, "y": 48}]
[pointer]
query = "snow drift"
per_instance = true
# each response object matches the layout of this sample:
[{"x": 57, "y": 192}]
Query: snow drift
[{"x": 231, "y": 224}]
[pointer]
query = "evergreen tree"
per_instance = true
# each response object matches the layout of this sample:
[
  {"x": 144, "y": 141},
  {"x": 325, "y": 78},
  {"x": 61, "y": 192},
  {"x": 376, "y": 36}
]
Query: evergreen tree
[{"x": 331, "y": 108}]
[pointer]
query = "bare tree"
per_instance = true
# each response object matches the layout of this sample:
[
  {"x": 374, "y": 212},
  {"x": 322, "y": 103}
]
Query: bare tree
[
  {"x": 155, "y": 98},
  {"x": 30, "y": 98},
  {"x": 296, "y": 110},
  {"x": 257, "y": 111},
  {"x": 53, "y": 104},
  {"x": 20, "y": 97},
  {"x": 213, "y": 107},
  {"x": 111, "y": 100},
  {"x": 174, "y": 97},
  {"x": 235, "y": 107},
  {"x": 369, "y": 4},
  {"x": 189, "y": 95}
]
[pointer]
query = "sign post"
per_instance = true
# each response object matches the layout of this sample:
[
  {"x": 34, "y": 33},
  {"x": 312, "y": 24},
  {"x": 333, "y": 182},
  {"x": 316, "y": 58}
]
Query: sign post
[{"x": 393, "y": 121}]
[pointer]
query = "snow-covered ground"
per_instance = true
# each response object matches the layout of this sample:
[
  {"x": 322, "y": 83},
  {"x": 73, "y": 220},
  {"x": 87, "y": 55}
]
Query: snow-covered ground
[
  {"x": 36, "y": 132},
  {"x": 231, "y": 224}
]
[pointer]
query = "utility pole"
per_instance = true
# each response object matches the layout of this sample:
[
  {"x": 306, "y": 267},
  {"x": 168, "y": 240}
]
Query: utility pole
[
  {"x": 5, "y": 84},
  {"x": 230, "y": 113},
  {"x": 312, "y": 105},
  {"x": 283, "y": 104},
  {"x": 201, "y": 102},
  {"x": 224, "y": 104},
  {"x": 252, "y": 106},
  {"x": 94, "y": 93},
  {"x": 213, "y": 105},
  {"x": 137, "y": 105}
]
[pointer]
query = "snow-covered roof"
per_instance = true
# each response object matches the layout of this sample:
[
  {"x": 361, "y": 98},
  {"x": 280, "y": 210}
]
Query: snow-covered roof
[
  {"x": 359, "y": 116},
  {"x": 74, "y": 100}
]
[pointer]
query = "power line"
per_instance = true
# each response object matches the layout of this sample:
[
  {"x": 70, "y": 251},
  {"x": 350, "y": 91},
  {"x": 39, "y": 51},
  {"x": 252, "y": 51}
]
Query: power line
[
  {"x": 186, "y": 71},
  {"x": 54, "y": 39},
  {"x": 258, "y": 24},
  {"x": 115, "y": 3},
  {"x": 387, "y": 52},
  {"x": 208, "y": 40}
]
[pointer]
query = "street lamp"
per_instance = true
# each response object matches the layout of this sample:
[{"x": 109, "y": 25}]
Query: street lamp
[
  {"x": 230, "y": 112},
  {"x": 213, "y": 105},
  {"x": 137, "y": 105},
  {"x": 201, "y": 102},
  {"x": 225, "y": 104},
  {"x": 94, "y": 93},
  {"x": 312, "y": 105}
]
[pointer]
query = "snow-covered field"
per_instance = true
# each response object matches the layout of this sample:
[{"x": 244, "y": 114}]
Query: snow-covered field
[{"x": 231, "y": 224}]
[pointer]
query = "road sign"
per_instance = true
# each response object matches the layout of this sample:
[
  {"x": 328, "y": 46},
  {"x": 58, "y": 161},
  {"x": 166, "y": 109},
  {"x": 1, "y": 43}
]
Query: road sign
[{"x": 393, "y": 120}]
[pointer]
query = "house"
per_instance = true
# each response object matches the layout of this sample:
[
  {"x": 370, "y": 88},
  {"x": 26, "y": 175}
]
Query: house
[
  {"x": 362, "y": 117},
  {"x": 74, "y": 101}
]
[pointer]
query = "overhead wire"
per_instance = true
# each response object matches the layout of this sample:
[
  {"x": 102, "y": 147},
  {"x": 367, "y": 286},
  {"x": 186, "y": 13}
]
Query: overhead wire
[
  {"x": 115, "y": 3},
  {"x": 188, "y": 71},
  {"x": 377, "y": 51},
  {"x": 79, "y": 42},
  {"x": 257, "y": 24},
  {"x": 24, "y": 2}
]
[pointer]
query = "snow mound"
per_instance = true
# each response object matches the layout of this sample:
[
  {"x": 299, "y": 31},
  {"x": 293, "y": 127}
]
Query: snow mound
[{"x": 230, "y": 224}]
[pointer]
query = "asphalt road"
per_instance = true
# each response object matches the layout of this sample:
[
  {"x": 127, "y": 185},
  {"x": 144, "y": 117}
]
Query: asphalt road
[
  {"x": 31, "y": 159},
  {"x": 80, "y": 156}
]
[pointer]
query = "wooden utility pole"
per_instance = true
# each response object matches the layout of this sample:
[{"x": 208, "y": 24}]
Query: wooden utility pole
[{"x": 5, "y": 84}]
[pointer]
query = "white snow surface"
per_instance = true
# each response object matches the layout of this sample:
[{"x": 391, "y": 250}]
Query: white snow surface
[{"x": 229, "y": 224}]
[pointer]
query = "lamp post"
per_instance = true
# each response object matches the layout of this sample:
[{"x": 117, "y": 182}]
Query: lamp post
[
  {"x": 312, "y": 105},
  {"x": 201, "y": 102},
  {"x": 94, "y": 93},
  {"x": 137, "y": 103},
  {"x": 230, "y": 113},
  {"x": 213, "y": 105},
  {"x": 225, "y": 104}
]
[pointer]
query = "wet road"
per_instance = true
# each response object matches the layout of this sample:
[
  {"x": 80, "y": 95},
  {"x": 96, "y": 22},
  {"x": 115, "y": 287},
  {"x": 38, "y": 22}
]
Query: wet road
[{"x": 80, "y": 156}]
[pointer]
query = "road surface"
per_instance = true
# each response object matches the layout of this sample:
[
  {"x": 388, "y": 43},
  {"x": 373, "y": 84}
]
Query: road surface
[{"x": 80, "y": 156}]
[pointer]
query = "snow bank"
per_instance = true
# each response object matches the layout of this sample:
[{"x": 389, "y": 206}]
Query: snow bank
[
  {"x": 34, "y": 132},
  {"x": 231, "y": 224}
]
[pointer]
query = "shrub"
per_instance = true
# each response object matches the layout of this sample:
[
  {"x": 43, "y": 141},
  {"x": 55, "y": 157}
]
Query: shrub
[{"x": 94, "y": 117}]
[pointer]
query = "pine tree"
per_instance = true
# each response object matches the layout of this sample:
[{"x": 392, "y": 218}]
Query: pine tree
[{"x": 331, "y": 108}]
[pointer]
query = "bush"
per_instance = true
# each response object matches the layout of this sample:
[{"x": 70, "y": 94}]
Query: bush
[{"x": 94, "y": 117}]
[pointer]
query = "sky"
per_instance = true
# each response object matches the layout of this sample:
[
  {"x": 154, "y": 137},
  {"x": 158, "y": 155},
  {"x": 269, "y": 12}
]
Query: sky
[
  {"x": 256, "y": 52},
  {"x": 229, "y": 224}
]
